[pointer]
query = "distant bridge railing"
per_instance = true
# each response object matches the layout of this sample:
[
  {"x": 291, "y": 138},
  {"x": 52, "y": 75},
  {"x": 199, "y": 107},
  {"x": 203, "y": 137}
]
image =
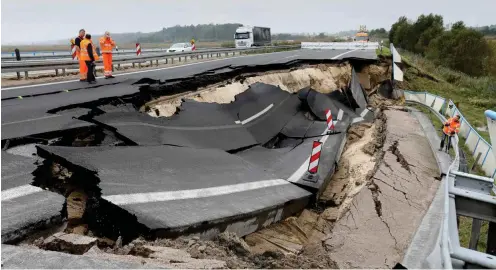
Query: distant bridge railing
[
  {"x": 64, "y": 64},
  {"x": 340, "y": 45}
]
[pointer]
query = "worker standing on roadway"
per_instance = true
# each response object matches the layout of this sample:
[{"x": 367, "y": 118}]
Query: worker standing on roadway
[
  {"x": 106, "y": 44},
  {"x": 89, "y": 56},
  {"x": 82, "y": 64},
  {"x": 450, "y": 128}
]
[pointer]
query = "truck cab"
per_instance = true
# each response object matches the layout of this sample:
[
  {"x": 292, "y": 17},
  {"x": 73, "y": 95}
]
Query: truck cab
[{"x": 243, "y": 38}]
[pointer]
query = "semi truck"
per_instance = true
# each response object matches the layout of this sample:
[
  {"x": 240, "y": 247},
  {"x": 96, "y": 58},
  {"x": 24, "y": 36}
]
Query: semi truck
[{"x": 252, "y": 36}]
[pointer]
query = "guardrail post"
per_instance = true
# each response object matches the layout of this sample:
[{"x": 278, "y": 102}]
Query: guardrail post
[
  {"x": 166, "y": 61},
  {"x": 26, "y": 75},
  {"x": 139, "y": 65},
  {"x": 179, "y": 58},
  {"x": 475, "y": 234},
  {"x": 172, "y": 60},
  {"x": 491, "y": 239},
  {"x": 475, "y": 162},
  {"x": 118, "y": 66},
  {"x": 227, "y": 54},
  {"x": 56, "y": 72},
  {"x": 18, "y": 58},
  {"x": 151, "y": 63},
  {"x": 156, "y": 62},
  {"x": 63, "y": 71},
  {"x": 134, "y": 65}
]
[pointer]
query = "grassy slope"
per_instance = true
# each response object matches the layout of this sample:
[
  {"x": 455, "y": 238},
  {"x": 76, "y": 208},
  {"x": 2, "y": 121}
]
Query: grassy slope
[{"x": 473, "y": 95}]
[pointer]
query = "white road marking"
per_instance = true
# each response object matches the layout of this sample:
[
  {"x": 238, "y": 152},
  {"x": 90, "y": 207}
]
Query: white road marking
[
  {"x": 357, "y": 119},
  {"x": 20, "y": 191},
  {"x": 255, "y": 116},
  {"x": 134, "y": 72},
  {"x": 33, "y": 119},
  {"x": 340, "y": 115},
  {"x": 339, "y": 55},
  {"x": 136, "y": 198},
  {"x": 364, "y": 112},
  {"x": 287, "y": 57}
]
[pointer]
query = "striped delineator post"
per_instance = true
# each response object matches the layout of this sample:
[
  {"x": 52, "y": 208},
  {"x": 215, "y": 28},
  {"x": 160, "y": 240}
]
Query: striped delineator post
[
  {"x": 138, "y": 49},
  {"x": 330, "y": 123},
  {"x": 73, "y": 52},
  {"x": 313, "y": 166}
]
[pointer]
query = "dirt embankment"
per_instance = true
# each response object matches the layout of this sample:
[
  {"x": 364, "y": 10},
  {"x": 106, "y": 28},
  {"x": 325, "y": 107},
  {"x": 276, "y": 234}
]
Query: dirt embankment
[{"x": 379, "y": 226}]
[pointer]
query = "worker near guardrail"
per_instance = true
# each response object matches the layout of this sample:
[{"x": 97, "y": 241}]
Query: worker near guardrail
[
  {"x": 89, "y": 56},
  {"x": 82, "y": 65},
  {"x": 106, "y": 45},
  {"x": 450, "y": 128}
]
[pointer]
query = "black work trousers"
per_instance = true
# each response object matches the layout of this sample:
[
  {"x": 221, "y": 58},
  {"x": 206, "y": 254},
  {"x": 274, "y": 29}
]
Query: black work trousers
[
  {"x": 90, "y": 77},
  {"x": 446, "y": 139}
]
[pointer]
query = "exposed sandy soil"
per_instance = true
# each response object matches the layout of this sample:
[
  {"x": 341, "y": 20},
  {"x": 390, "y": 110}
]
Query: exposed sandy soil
[{"x": 378, "y": 228}]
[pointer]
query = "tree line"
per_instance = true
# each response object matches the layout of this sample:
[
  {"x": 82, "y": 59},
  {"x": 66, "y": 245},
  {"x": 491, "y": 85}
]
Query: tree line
[{"x": 458, "y": 47}]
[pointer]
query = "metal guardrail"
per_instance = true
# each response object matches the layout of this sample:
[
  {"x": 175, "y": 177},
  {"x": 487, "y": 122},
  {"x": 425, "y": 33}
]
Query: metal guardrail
[
  {"x": 67, "y": 55},
  {"x": 464, "y": 194},
  {"x": 26, "y": 66},
  {"x": 473, "y": 140}
]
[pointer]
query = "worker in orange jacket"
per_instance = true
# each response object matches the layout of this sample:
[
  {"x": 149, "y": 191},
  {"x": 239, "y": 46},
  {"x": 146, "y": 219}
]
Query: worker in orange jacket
[
  {"x": 106, "y": 45},
  {"x": 82, "y": 65},
  {"x": 89, "y": 56},
  {"x": 450, "y": 128}
]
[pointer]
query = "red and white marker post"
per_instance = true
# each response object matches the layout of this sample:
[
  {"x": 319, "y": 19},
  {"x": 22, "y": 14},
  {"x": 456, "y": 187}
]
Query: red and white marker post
[
  {"x": 138, "y": 49},
  {"x": 330, "y": 123},
  {"x": 313, "y": 166}
]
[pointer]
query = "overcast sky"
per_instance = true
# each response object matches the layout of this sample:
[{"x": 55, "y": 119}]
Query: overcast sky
[{"x": 42, "y": 20}]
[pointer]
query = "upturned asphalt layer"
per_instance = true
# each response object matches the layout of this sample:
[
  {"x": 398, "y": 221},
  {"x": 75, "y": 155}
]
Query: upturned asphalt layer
[{"x": 207, "y": 164}]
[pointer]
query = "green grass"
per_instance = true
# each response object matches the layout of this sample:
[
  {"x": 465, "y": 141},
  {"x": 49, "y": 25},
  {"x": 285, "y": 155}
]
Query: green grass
[
  {"x": 386, "y": 52},
  {"x": 465, "y": 230},
  {"x": 473, "y": 95}
]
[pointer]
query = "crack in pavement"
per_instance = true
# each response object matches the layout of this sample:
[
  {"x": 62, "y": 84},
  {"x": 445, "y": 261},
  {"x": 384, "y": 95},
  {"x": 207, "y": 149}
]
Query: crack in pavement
[
  {"x": 396, "y": 189},
  {"x": 375, "y": 190},
  {"x": 399, "y": 157}
]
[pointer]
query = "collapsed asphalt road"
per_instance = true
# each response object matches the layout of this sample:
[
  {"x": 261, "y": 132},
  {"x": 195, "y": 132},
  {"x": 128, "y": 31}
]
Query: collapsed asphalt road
[{"x": 209, "y": 168}]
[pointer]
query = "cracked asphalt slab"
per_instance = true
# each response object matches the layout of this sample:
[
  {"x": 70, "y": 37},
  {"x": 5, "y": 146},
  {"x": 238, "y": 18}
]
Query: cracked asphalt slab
[
  {"x": 22, "y": 215},
  {"x": 391, "y": 208},
  {"x": 170, "y": 189}
]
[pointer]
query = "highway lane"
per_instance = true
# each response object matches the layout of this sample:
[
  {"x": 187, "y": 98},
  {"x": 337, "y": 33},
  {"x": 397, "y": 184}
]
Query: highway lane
[
  {"x": 34, "y": 110},
  {"x": 166, "y": 73}
]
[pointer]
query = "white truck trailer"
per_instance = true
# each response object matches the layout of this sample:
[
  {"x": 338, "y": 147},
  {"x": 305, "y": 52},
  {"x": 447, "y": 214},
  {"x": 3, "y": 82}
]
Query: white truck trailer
[{"x": 252, "y": 36}]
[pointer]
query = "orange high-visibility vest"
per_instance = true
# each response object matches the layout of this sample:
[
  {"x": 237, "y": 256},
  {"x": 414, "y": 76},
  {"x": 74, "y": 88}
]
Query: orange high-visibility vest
[
  {"x": 106, "y": 44},
  {"x": 84, "y": 56},
  {"x": 453, "y": 126}
]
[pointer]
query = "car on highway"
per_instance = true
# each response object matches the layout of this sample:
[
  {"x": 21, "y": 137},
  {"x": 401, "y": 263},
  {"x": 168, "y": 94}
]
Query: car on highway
[{"x": 180, "y": 47}]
